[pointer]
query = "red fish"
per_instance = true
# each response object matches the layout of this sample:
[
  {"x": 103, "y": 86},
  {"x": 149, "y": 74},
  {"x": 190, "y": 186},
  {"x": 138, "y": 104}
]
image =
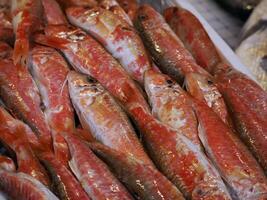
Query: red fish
[
  {"x": 20, "y": 186},
  {"x": 50, "y": 70},
  {"x": 142, "y": 179},
  {"x": 20, "y": 94},
  {"x": 179, "y": 159},
  {"x": 165, "y": 47},
  {"x": 171, "y": 105},
  {"x": 93, "y": 174},
  {"x": 247, "y": 102},
  {"x": 83, "y": 3},
  {"x": 194, "y": 36},
  {"x": 66, "y": 184},
  {"x": 26, "y": 20},
  {"x": 7, "y": 164},
  {"x": 13, "y": 135},
  {"x": 117, "y": 36},
  {"x": 237, "y": 166},
  {"x": 129, "y": 6},
  {"x": 6, "y": 29}
]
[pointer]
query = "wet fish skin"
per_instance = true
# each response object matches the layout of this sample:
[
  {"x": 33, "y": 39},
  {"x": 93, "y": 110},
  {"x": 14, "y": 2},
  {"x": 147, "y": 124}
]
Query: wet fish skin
[
  {"x": 20, "y": 186},
  {"x": 142, "y": 179},
  {"x": 21, "y": 96},
  {"x": 165, "y": 47},
  {"x": 13, "y": 134},
  {"x": 50, "y": 70},
  {"x": 6, "y": 29},
  {"x": 93, "y": 174},
  {"x": 194, "y": 36},
  {"x": 249, "y": 118},
  {"x": 179, "y": 159},
  {"x": 129, "y": 6},
  {"x": 68, "y": 188},
  {"x": 253, "y": 53},
  {"x": 103, "y": 117},
  {"x": 171, "y": 105},
  {"x": 26, "y": 20},
  {"x": 117, "y": 36},
  {"x": 7, "y": 164},
  {"x": 82, "y": 3},
  {"x": 237, "y": 166},
  {"x": 204, "y": 89}
]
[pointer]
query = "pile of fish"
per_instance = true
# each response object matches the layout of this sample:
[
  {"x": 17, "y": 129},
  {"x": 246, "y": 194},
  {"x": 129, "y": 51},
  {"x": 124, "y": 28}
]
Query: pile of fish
[{"x": 112, "y": 100}]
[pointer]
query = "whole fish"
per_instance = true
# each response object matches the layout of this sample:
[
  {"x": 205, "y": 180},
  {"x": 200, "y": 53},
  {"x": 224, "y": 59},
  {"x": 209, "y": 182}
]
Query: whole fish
[
  {"x": 204, "y": 89},
  {"x": 93, "y": 174},
  {"x": 50, "y": 70},
  {"x": 256, "y": 21},
  {"x": 117, "y": 36},
  {"x": 130, "y": 7},
  {"x": 99, "y": 113},
  {"x": 89, "y": 57},
  {"x": 68, "y": 188},
  {"x": 21, "y": 96},
  {"x": 7, "y": 164},
  {"x": 165, "y": 47},
  {"x": 142, "y": 179},
  {"x": 194, "y": 36},
  {"x": 20, "y": 186},
  {"x": 6, "y": 29},
  {"x": 237, "y": 166},
  {"x": 115, "y": 8},
  {"x": 13, "y": 135},
  {"x": 26, "y": 20},
  {"x": 247, "y": 103},
  {"x": 171, "y": 105},
  {"x": 179, "y": 159},
  {"x": 253, "y": 53}
]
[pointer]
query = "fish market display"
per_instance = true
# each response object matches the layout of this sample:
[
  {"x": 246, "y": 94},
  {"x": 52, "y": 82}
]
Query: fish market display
[
  {"x": 165, "y": 47},
  {"x": 171, "y": 104},
  {"x": 253, "y": 53},
  {"x": 22, "y": 186},
  {"x": 119, "y": 38},
  {"x": 143, "y": 180},
  {"x": 99, "y": 113},
  {"x": 113, "y": 100}
]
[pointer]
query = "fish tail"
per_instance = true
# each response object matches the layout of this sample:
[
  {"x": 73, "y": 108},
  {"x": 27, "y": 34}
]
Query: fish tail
[{"x": 21, "y": 51}]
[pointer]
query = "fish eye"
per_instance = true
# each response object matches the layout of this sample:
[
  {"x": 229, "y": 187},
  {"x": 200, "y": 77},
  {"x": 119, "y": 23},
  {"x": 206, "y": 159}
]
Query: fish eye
[{"x": 143, "y": 17}]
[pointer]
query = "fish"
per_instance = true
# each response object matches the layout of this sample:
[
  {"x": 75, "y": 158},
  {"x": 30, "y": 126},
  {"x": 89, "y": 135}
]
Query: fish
[
  {"x": 237, "y": 166},
  {"x": 68, "y": 188},
  {"x": 247, "y": 103},
  {"x": 171, "y": 105},
  {"x": 5, "y": 51},
  {"x": 13, "y": 134},
  {"x": 6, "y": 28},
  {"x": 49, "y": 70},
  {"x": 256, "y": 21},
  {"x": 20, "y": 186},
  {"x": 130, "y": 7},
  {"x": 143, "y": 180},
  {"x": 179, "y": 159},
  {"x": 194, "y": 36},
  {"x": 117, "y": 36},
  {"x": 26, "y": 21},
  {"x": 7, "y": 164},
  {"x": 115, "y": 8},
  {"x": 103, "y": 117},
  {"x": 253, "y": 53},
  {"x": 203, "y": 88},
  {"x": 92, "y": 173},
  {"x": 83, "y": 3},
  {"x": 21, "y": 96},
  {"x": 165, "y": 47}
]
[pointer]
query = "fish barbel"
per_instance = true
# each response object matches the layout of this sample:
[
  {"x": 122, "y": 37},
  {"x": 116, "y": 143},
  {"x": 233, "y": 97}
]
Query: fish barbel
[
  {"x": 20, "y": 186},
  {"x": 117, "y": 36},
  {"x": 165, "y": 47},
  {"x": 236, "y": 164},
  {"x": 171, "y": 105},
  {"x": 93, "y": 174},
  {"x": 99, "y": 113}
]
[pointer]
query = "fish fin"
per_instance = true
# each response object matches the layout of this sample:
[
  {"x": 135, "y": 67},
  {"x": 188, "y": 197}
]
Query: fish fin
[
  {"x": 21, "y": 51},
  {"x": 54, "y": 42}
]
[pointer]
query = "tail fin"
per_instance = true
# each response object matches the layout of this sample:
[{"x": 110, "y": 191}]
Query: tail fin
[{"x": 21, "y": 51}]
